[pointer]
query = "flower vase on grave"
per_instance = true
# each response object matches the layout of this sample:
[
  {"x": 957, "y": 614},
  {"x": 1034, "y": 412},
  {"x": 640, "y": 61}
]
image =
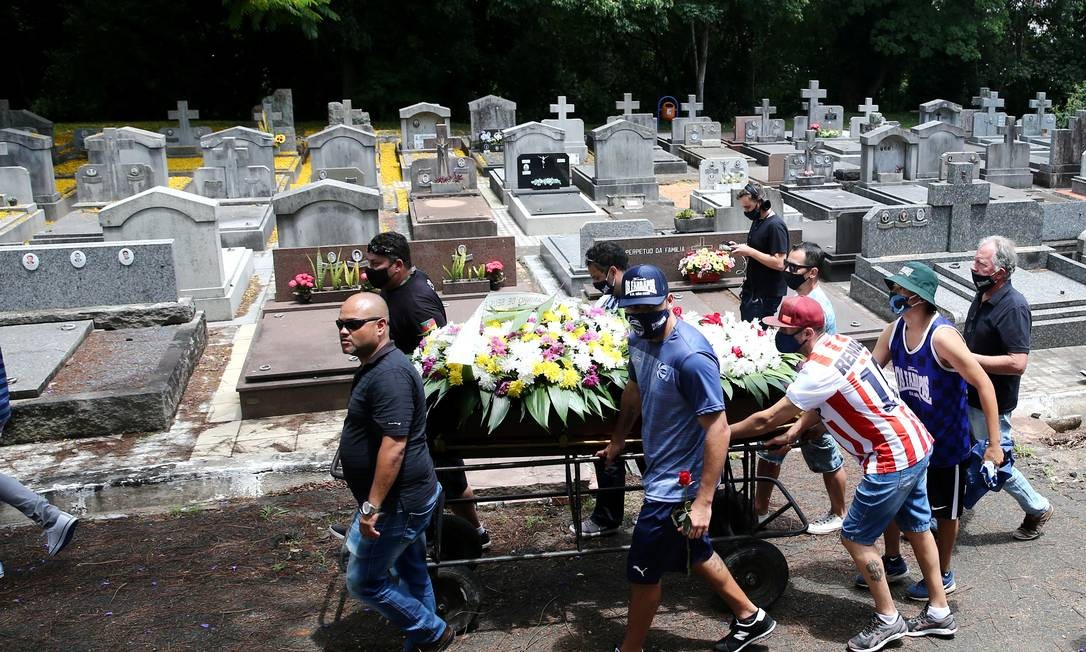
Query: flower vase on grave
[{"x": 704, "y": 277}]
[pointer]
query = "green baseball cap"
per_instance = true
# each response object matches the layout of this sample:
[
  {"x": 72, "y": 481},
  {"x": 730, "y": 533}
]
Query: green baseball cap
[{"x": 917, "y": 278}]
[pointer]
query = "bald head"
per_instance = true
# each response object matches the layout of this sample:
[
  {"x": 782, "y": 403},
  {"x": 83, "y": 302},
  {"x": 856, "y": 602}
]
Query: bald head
[{"x": 363, "y": 305}]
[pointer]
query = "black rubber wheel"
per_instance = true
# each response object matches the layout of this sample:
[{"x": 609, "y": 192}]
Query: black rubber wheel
[
  {"x": 732, "y": 516},
  {"x": 758, "y": 567},
  {"x": 458, "y": 596},
  {"x": 459, "y": 539}
]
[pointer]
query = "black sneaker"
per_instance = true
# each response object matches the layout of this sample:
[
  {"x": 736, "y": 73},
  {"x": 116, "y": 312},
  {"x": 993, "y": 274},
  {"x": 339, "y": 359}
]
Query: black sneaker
[
  {"x": 338, "y": 531},
  {"x": 924, "y": 624},
  {"x": 877, "y": 634},
  {"x": 484, "y": 539},
  {"x": 442, "y": 643},
  {"x": 743, "y": 634}
]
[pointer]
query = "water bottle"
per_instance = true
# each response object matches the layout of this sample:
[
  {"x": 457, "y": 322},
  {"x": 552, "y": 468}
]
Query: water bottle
[{"x": 988, "y": 472}]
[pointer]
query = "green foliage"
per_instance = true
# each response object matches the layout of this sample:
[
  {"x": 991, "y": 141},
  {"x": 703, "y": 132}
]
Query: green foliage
[
  {"x": 1076, "y": 101},
  {"x": 685, "y": 214},
  {"x": 307, "y": 15},
  {"x": 710, "y": 212}
]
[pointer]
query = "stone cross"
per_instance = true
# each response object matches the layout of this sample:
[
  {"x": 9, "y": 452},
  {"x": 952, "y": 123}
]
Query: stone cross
[
  {"x": 809, "y": 146},
  {"x": 347, "y": 111},
  {"x": 961, "y": 194},
  {"x": 628, "y": 104},
  {"x": 978, "y": 100},
  {"x": 765, "y": 111},
  {"x": 868, "y": 108},
  {"x": 562, "y": 109},
  {"x": 991, "y": 103},
  {"x": 692, "y": 106},
  {"x": 1040, "y": 104},
  {"x": 1008, "y": 131},
  {"x": 265, "y": 113},
  {"x": 234, "y": 157},
  {"x": 441, "y": 132},
  {"x": 183, "y": 114},
  {"x": 812, "y": 93}
]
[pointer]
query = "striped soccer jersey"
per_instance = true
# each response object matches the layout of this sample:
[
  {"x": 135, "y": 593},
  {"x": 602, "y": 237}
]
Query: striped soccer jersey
[{"x": 844, "y": 383}]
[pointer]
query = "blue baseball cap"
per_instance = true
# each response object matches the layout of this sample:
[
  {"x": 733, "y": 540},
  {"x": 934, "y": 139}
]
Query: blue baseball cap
[{"x": 643, "y": 285}]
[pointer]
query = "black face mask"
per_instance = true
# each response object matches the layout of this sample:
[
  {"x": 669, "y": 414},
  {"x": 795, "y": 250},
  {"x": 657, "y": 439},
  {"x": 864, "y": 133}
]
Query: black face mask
[
  {"x": 753, "y": 215},
  {"x": 793, "y": 281},
  {"x": 377, "y": 277},
  {"x": 982, "y": 282}
]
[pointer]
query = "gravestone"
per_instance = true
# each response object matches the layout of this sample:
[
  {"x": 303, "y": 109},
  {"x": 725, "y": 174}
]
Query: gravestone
[
  {"x": 1007, "y": 163},
  {"x": 238, "y": 163},
  {"x": 935, "y": 138},
  {"x": 342, "y": 113},
  {"x": 541, "y": 143},
  {"x": 1064, "y": 150},
  {"x": 1078, "y": 183},
  {"x": 24, "y": 120},
  {"x": 490, "y": 114},
  {"x": 564, "y": 255},
  {"x": 811, "y": 95},
  {"x": 418, "y": 125},
  {"x": 827, "y": 116},
  {"x": 1039, "y": 123},
  {"x": 808, "y": 166},
  {"x": 20, "y": 217},
  {"x": 986, "y": 121},
  {"x": 33, "y": 153},
  {"x": 767, "y": 129},
  {"x": 15, "y": 188},
  {"x": 941, "y": 111},
  {"x": 275, "y": 115},
  {"x": 702, "y": 134},
  {"x": 718, "y": 179},
  {"x": 888, "y": 155},
  {"x": 855, "y": 123},
  {"x": 678, "y": 124},
  {"x": 344, "y": 153},
  {"x": 627, "y": 105},
  {"x": 123, "y": 162},
  {"x": 184, "y": 135},
  {"x": 327, "y": 212},
  {"x": 573, "y": 128},
  {"x": 87, "y": 274},
  {"x": 216, "y": 279},
  {"x": 445, "y": 173},
  {"x": 623, "y": 165},
  {"x": 956, "y": 157}
]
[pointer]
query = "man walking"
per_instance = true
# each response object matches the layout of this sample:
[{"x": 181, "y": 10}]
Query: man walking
[
  {"x": 59, "y": 526},
  {"x": 675, "y": 386},
  {"x": 997, "y": 331},
  {"x": 841, "y": 384},
  {"x": 765, "y": 249},
  {"x": 389, "y": 472}
]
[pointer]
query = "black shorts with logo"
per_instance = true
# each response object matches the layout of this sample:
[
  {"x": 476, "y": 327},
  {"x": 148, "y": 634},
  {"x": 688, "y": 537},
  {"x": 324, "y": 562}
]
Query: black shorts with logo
[{"x": 946, "y": 491}]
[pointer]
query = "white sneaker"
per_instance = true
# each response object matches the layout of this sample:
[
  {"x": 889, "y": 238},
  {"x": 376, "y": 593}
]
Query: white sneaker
[
  {"x": 762, "y": 518},
  {"x": 828, "y": 524}
]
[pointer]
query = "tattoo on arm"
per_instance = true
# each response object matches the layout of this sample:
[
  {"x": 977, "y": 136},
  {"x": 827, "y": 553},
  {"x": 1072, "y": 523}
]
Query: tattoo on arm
[{"x": 874, "y": 568}]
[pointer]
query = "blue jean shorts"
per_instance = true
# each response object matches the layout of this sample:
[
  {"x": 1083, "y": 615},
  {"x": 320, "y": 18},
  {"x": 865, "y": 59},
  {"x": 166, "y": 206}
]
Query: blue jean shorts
[
  {"x": 880, "y": 498},
  {"x": 658, "y": 547},
  {"x": 821, "y": 454}
]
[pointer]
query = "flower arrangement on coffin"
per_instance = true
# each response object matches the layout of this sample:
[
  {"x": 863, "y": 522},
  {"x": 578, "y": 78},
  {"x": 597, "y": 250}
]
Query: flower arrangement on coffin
[{"x": 705, "y": 265}]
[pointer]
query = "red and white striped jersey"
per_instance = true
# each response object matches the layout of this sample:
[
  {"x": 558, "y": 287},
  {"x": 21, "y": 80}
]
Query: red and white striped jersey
[{"x": 865, "y": 415}]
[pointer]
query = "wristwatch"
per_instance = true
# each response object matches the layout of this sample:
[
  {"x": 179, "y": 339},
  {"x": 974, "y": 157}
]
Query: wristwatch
[{"x": 368, "y": 508}]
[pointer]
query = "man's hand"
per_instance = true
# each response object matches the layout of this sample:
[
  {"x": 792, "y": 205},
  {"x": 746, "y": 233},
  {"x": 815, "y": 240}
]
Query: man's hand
[
  {"x": 781, "y": 444},
  {"x": 994, "y": 454},
  {"x": 700, "y": 513},
  {"x": 742, "y": 250},
  {"x": 368, "y": 525},
  {"x": 610, "y": 454}
]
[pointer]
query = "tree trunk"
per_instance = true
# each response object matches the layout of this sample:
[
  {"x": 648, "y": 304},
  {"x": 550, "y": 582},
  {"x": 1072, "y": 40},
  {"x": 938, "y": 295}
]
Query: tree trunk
[{"x": 703, "y": 61}]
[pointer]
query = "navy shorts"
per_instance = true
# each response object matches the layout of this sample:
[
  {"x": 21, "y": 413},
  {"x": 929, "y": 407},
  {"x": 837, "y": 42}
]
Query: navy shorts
[{"x": 658, "y": 547}]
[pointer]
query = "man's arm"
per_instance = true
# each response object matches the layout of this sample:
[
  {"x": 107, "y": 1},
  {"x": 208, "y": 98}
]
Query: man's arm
[
  {"x": 717, "y": 436},
  {"x": 393, "y": 414},
  {"x": 772, "y": 261},
  {"x": 628, "y": 410},
  {"x": 951, "y": 348},
  {"x": 806, "y": 427},
  {"x": 762, "y": 422},
  {"x": 1014, "y": 329},
  {"x": 1008, "y": 364},
  {"x": 881, "y": 352}
]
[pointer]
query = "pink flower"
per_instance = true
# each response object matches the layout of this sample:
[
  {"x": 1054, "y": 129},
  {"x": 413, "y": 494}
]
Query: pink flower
[
  {"x": 591, "y": 380},
  {"x": 497, "y": 347},
  {"x": 761, "y": 333},
  {"x": 595, "y": 311},
  {"x": 494, "y": 266},
  {"x": 712, "y": 318},
  {"x": 502, "y": 389},
  {"x": 678, "y": 311},
  {"x": 737, "y": 352},
  {"x": 293, "y": 284},
  {"x": 570, "y": 327}
]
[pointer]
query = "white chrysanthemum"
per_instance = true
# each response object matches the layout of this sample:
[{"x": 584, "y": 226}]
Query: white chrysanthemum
[{"x": 486, "y": 381}]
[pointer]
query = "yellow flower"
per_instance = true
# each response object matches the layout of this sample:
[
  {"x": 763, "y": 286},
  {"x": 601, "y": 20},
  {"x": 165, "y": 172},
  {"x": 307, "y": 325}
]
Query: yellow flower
[
  {"x": 549, "y": 370},
  {"x": 516, "y": 388},
  {"x": 529, "y": 337},
  {"x": 456, "y": 373},
  {"x": 579, "y": 331},
  {"x": 563, "y": 310},
  {"x": 493, "y": 323},
  {"x": 550, "y": 316},
  {"x": 570, "y": 379},
  {"x": 606, "y": 339}
]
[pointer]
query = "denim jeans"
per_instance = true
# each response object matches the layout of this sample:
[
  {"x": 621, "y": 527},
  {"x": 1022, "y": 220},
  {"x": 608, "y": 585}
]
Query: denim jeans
[
  {"x": 899, "y": 496},
  {"x": 1017, "y": 485},
  {"x": 389, "y": 573}
]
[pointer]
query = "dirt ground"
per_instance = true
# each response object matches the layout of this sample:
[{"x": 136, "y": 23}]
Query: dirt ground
[{"x": 262, "y": 575}]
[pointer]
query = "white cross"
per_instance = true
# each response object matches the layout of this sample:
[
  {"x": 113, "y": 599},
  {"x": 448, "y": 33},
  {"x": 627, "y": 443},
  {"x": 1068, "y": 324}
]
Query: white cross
[
  {"x": 991, "y": 103},
  {"x": 562, "y": 109},
  {"x": 766, "y": 110},
  {"x": 978, "y": 100},
  {"x": 1040, "y": 104},
  {"x": 628, "y": 104},
  {"x": 692, "y": 106},
  {"x": 182, "y": 114},
  {"x": 810, "y": 146},
  {"x": 812, "y": 93},
  {"x": 867, "y": 107},
  {"x": 1008, "y": 131}
]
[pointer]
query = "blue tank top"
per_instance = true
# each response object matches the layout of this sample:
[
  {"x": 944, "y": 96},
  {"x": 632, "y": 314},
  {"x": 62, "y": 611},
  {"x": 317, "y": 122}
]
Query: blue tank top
[{"x": 936, "y": 394}]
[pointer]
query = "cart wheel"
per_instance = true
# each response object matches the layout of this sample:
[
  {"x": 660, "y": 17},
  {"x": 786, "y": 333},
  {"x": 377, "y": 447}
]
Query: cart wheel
[
  {"x": 459, "y": 539},
  {"x": 732, "y": 516},
  {"x": 458, "y": 596},
  {"x": 758, "y": 567}
]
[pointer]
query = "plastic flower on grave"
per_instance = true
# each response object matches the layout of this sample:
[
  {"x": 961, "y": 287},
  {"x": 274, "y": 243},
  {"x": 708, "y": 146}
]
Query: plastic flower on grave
[
  {"x": 280, "y": 139},
  {"x": 706, "y": 261}
]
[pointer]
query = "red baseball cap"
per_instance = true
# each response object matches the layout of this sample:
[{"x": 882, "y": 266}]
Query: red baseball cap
[{"x": 798, "y": 312}]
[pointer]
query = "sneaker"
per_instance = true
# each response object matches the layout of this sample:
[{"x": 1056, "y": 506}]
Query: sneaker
[
  {"x": 828, "y": 524},
  {"x": 896, "y": 570},
  {"x": 443, "y": 642},
  {"x": 59, "y": 534},
  {"x": 877, "y": 634},
  {"x": 484, "y": 539},
  {"x": 1031, "y": 526},
  {"x": 743, "y": 634},
  {"x": 590, "y": 528},
  {"x": 919, "y": 591},
  {"x": 763, "y": 517},
  {"x": 924, "y": 624},
  {"x": 339, "y": 531}
]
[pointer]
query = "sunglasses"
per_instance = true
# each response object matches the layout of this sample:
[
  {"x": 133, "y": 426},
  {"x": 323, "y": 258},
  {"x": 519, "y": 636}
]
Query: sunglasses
[
  {"x": 354, "y": 324},
  {"x": 382, "y": 250},
  {"x": 792, "y": 268}
]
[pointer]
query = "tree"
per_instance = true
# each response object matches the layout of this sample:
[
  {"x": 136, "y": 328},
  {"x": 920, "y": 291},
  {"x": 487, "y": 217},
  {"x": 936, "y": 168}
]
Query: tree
[{"x": 273, "y": 14}]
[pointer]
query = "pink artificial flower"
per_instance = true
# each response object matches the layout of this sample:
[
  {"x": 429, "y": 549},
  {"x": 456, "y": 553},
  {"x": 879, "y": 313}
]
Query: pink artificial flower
[
  {"x": 591, "y": 380},
  {"x": 502, "y": 389},
  {"x": 737, "y": 351},
  {"x": 293, "y": 284}
]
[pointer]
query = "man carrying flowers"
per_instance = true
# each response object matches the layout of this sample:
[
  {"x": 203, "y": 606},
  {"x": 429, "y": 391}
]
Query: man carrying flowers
[{"x": 674, "y": 384}]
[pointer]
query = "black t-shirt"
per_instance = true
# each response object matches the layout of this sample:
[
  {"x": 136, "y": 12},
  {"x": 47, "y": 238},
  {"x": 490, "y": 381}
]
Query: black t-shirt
[
  {"x": 769, "y": 236},
  {"x": 999, "y": 326},
  {"x": 413, "y": 309},
  {"x": 387, "y": 400}
]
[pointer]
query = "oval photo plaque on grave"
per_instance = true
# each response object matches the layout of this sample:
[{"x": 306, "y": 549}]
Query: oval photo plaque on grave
[
  {"x": 78, "y": 258},
  {"x": 357, "y": 255},
  {"x": 31, "y": 261},
  {"x": 331, "y": 256},
  {"x": 126, "y": 256}
]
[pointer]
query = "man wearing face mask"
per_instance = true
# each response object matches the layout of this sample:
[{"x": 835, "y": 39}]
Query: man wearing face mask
[
  {"x": 933, "y": 368},
  {"x": 606, "y": 263},
  {"x": 674, "y": 384},
  {"x": 841, "y": 385},
  {"x": 765, "y": 249},
  {"x": 997, "y": 331},
  {"x": 802, "y": 272}
]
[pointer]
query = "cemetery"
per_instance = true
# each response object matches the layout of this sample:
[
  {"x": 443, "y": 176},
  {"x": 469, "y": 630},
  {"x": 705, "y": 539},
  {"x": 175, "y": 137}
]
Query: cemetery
[{"x": 175, "y": 263}]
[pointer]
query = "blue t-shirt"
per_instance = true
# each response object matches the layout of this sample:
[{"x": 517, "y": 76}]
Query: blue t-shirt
[
  {"x": 679, "y": 380},
  {"x": 5, "y": 401}
]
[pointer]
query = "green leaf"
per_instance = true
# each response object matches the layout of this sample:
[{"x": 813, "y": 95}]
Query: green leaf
[
  {"x": 499, "y": 408},
  {"x": 560, "y": 401},
  {"x": 729, "y": 388},
  {"x": 605, "y": 399},
  {"x": 485, "y": 399},
  {"x": 759, "y": 381},
  {"x": 751, "y": 387},
  {"x": 593, "y": 402},
  {"x": 468, "y": 406},
  {"x": 538, "y": 406},
  {"x": 576, "y": 403}
]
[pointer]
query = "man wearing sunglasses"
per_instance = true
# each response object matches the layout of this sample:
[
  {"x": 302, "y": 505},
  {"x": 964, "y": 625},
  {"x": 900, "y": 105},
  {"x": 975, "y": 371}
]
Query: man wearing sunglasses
[{"x": 388, "y": 469}]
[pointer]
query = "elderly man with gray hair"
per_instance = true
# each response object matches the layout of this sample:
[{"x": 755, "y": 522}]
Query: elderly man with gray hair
[{"x": 997, "y": 331}]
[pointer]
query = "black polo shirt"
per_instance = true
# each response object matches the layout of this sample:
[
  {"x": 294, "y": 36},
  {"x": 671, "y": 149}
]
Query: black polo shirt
[
  {"x": 999, "y": 326},
  {"x": 387, "y": 400},
  {"x": 413, "y": 310},
  {"x": 769, "y": 236}
]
